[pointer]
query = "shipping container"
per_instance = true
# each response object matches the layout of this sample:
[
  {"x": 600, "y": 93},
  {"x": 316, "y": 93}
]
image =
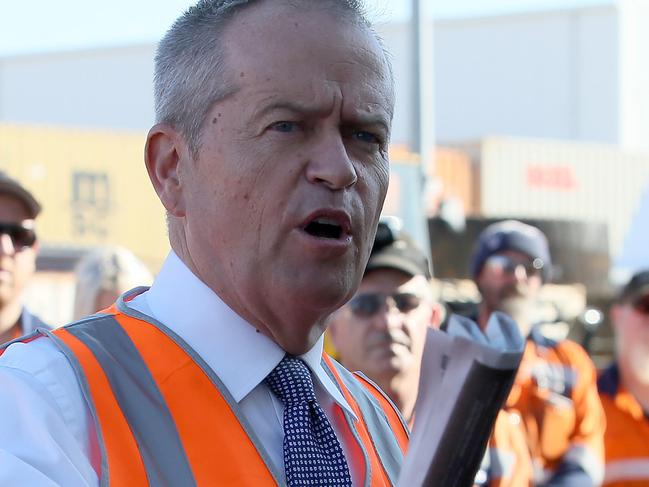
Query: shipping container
[
  {"x": 93, "y": 187},
  {"x": 457, "y": 178},
  {"x": 570, "y": 181}
]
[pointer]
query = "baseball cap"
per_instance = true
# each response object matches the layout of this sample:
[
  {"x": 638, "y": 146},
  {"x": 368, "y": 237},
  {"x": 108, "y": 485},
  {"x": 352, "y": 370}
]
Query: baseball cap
[
  {"x": 394, "y": 249},
  {"x": 636, "y": 288},
  {"x": 11, "y": 186},
  {"x": 511, "y": 235}
]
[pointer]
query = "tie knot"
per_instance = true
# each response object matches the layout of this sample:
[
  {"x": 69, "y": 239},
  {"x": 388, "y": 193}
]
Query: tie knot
[{"x": 291, "y": 381}]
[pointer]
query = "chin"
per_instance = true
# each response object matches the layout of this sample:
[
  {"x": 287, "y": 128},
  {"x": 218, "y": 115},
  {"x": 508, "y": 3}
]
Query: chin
[{"x": 300, "y": 341}]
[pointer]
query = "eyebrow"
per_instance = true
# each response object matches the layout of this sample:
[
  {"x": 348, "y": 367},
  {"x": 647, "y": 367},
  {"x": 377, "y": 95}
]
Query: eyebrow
[
  {"x": 291, "y": 106},
  {"x": 314, "y": 111}
]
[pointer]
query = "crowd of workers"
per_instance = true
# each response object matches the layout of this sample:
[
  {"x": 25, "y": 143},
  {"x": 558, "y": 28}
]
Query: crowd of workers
[{"x": 273, "y": 179}]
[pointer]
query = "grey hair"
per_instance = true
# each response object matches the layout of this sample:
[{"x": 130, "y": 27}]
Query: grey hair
[
  {"x": 190, "y": 72},
  {"x": 114, "y": 269}
]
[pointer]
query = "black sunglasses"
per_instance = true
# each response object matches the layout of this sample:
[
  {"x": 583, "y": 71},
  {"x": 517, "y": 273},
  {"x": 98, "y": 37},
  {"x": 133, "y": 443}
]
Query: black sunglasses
[
  {"x": 368, "y": 304},
  {"x": 21, "y": 237},
  {"x": 509, "y": 265}
]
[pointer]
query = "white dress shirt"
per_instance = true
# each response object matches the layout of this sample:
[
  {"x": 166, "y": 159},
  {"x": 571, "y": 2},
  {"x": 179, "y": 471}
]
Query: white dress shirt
[{"x": 47, "y": 436}]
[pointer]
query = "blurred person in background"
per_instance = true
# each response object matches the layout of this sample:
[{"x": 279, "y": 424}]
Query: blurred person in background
[
  {"x": 555, "y": 392},
  {"x": 18, "y": 250},
  {"x": 624, "y": 388},
  {"x": 381, "y": 332},
  {"x": 102, "y": 275}
]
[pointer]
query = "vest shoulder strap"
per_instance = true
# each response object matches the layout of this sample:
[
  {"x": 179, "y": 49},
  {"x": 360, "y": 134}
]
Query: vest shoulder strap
[{"x": 380, "y": 422}]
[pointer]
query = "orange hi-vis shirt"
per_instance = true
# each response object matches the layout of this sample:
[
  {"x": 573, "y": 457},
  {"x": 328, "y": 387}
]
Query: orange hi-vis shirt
[
  {"x": 164, "y": 418},
  {"x": 627, "y": 434},
  {"x": 555, "y": 393},
  {"x": 507, "y": 461}
]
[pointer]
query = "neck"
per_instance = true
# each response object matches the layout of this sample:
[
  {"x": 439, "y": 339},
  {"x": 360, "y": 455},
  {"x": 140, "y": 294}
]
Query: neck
[
  {"x": 521, "y": 315},
  {"x": 9, "y": 315},
  {"x": 638, "y": 389},
  {"x": 484, "y": 312}
]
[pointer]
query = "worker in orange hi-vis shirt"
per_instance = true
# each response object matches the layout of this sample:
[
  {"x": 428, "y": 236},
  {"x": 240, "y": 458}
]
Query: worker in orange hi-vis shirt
[
  {"x": 624, "y": 389},
  {"x": 555, "y": 391}
]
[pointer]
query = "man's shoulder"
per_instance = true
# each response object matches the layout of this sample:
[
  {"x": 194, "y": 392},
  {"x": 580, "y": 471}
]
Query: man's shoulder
[
  {"x": 32, "y": 354},
  {"x": 565, "y": 351}
]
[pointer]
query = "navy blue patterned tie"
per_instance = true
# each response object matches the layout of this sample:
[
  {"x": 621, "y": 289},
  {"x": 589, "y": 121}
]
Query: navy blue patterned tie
[{"x": 312, "y": 454}]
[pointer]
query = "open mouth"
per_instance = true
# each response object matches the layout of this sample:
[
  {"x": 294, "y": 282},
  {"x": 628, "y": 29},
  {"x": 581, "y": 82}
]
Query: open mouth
[
  {"x": 328, "y": 224},
  {"x": 324, "y": 228}
]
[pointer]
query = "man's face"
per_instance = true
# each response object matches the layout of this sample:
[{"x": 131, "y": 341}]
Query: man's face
[
  {"x": 508, "y": 282},
  {"x": 631, "y": 324},
  {"x": 17, "y": 261},
  {"x": 283, "y": 199},
  {"x": 384, "y": 342}
]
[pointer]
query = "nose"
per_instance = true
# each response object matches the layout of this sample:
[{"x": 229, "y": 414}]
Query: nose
[
  {"x": 388, "y": 316},
  {"x": 520, "y": 273},
  {"x": 330, "y": 164},
  {"x": 6, "y": 245}
]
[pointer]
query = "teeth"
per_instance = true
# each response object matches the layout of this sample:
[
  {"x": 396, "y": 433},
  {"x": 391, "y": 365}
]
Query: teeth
[{"x": 326, "y": 221}]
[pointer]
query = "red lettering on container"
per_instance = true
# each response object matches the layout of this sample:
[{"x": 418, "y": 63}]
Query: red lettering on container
[{"x": 551, "y": 177}]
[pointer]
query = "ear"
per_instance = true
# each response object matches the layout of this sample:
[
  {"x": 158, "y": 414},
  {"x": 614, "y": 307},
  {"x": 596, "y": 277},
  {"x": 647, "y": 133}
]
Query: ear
[
  {"x": 436, "y": 316},
  {"x": 164, "y": 152}
]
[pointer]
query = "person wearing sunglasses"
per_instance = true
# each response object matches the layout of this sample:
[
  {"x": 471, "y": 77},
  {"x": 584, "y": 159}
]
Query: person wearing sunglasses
[
  {"x": 555, "y": 392},
  {"x": 18, "y": 249},
  {"x": 624, "y": 388},
  {"x": 381, "y": 331}
]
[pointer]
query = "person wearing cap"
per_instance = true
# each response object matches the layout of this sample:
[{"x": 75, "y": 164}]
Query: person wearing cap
[
  {"x": 381, "y": 332},
  {"x": 624, "y": 388},
  {"x": 18, "y": 249},
  {"x": 555, "y": 391}
]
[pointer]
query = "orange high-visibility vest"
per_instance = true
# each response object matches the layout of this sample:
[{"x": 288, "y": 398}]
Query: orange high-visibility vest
[
  {"x": 507, "y": 461},
  {"x": 555, "y": 393},
  {"x": 164, "y": 418},
  {"x": 627, "y": 434}
]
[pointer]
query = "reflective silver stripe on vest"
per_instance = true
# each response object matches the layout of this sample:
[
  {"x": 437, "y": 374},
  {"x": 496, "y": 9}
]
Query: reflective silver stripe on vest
[
  {"x": 632, "y": 469},
  {"x": 234, "y": 406},
  {"x": 378, "y": 425},
  {"x": 140, "y": 400},
  {"x": 586, "y": 459}
]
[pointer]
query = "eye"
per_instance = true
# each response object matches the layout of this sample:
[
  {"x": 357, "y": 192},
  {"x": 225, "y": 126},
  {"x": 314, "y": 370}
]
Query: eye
[
  {"x": 367, "y": 137},
  {"x": 285, "y": 126}
]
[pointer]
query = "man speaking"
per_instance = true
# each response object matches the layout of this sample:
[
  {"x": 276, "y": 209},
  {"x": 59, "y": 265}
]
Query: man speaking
[{"x": 270, "y": 157}]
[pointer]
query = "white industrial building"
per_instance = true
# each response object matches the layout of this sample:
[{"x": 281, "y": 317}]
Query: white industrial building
[
  {"x": 579, "y": 74},
  {"x": 576, "y": 73}
]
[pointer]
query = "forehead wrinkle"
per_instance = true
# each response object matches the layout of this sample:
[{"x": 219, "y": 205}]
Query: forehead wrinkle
[
  {"x": 378, "y": 84},
  {"x": 289, "y": 103}
]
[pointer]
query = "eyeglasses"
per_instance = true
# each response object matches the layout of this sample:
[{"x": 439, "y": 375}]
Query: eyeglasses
[
  {"x": 21, "y": 237},
  {"x": 642, "y": 305},
  {"x": 505, "y": 263},
  {"x": 368, "y": 304}
]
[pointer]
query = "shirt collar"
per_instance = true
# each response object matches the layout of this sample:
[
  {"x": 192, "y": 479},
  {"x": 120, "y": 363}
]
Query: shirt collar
[{"x": 240, "y": 355}]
